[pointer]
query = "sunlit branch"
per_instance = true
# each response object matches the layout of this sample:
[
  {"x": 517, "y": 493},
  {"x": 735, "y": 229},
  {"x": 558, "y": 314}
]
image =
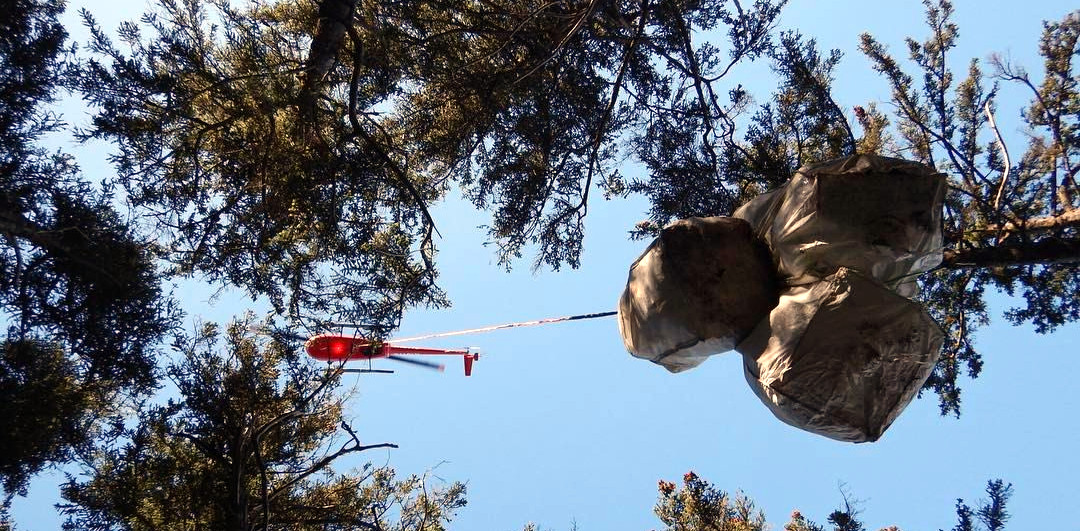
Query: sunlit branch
[
  {"x": 1049, "y": 250},
  {"x": 1004, "y": 152}
]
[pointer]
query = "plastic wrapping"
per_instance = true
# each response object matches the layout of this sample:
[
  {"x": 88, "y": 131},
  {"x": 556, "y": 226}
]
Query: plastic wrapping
[
  {"x": 879, "y": 216},
  {"x": 697, "y": 290},
  {"x": 841, "y": 352},
  {"x": 760, "y": 211},
  {"x": 841, "y": 357}
]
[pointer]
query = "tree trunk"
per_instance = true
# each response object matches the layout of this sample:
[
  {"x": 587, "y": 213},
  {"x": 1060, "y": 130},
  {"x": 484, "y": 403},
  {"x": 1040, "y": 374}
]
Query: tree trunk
[
  {"x": 1046, "y": 251},
  {"x": 335, "y": 16}
]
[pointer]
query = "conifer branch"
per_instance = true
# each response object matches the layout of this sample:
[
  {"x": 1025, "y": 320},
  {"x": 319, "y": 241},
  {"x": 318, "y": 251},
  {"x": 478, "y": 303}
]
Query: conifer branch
[{"x": 1046, "y": 251}]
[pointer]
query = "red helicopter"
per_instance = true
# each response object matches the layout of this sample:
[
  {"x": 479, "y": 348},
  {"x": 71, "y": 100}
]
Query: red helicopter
[{"x": 341, "y": 348}]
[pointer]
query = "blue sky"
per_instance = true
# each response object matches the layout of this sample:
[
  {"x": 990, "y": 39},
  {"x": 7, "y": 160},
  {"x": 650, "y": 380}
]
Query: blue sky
[{"x": 559, "y": 424}]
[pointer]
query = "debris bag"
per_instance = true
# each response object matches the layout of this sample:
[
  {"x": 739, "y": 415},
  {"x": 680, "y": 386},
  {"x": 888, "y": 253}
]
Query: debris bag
[
  {"x": 760, "y": 211},
  {"x": 841, "y": 357},
  {"x": 877, "y": 215},
  {"x": 697, "y": 290}
]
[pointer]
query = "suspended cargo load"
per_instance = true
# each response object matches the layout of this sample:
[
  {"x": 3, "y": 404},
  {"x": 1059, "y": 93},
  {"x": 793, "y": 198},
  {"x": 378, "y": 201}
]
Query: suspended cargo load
[
  {"x": 760, "y": 211},
  {"x": 697, "y": 290},
  {"x": 841, "y": 357},
  {"x": 879, "y": 216}
]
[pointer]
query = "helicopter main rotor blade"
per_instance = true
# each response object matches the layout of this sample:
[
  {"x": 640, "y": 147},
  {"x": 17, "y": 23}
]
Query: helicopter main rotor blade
[
  {"x": 428, "y": 364},
  {"x": 366, "y": 371}
]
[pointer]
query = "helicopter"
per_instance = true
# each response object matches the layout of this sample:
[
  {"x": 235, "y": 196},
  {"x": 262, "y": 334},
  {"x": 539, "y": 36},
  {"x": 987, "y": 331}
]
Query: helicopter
[{"x": 342, "y": 348}]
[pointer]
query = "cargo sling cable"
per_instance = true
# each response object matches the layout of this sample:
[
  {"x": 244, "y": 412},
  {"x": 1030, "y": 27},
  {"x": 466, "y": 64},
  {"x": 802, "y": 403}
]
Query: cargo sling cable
[{"x": 537, "y": 322}]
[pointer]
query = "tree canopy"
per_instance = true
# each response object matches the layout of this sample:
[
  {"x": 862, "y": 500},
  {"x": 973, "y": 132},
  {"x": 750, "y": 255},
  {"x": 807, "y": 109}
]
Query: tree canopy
[
  {"x": 314, "y": 191},
  {"x": 248, "y": 444},
  {"x": 80, "y": 296},
  {"x": 1010, "y": 225},
  {"x": 293, "y": 148},
  {"x": 248, "y": 180},
  {"x": 698, "y": 505},
  {"x": 278, "y": 148}
]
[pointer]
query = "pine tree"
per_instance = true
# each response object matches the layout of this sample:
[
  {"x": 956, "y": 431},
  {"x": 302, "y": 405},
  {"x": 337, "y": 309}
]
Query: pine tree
[
  {"x": 292, "y": 149},
  {"x": 249, "y": 443},
  {"x": 80, "y": 300},
  {"x": 697, "y": 505},
  {"x": 255, "y": 173},
  {"x": 1010, "y": 225}
]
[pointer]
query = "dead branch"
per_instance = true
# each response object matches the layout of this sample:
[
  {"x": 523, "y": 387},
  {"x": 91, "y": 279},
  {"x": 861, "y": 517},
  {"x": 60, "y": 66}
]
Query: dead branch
[{"x": 1004, "y": 152}]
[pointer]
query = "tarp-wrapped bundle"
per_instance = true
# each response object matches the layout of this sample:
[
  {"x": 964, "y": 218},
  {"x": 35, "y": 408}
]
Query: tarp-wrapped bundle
[
  {"x": 699, "y": 289},
  {"x": 877, "y": 215},
  {"x": 841, "y": 357},
  {"x": 842, "y": 350}
]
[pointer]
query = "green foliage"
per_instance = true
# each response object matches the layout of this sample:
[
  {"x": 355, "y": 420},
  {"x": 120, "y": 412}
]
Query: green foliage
[
  {"x": 697, "y": 505},
  {"x": 44, "y": 407},
  {"x": 513, "y": 100},
  {"x": 248, "y": 444},
  {"x": 801, "y": 124},
  {"x": 686, "y": 133},
  {"x": 990, "y": 515},
  {"x": 80, "y": 277},
  {"x": 250, "y": 179},
  {"x": 804, "y": 106},
  {"x": 79, "y": 295},
  {"x": 526, "y": 104},
  {"x": 1000, "y": 213}
]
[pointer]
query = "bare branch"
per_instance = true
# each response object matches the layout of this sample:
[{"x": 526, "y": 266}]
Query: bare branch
[
  {"x": 323, "y": 463},
  {"x": 1004, "y": 152},
  {"x": 617, "y": 86}
]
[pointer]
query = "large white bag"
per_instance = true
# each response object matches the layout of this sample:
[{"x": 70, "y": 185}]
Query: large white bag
[
  {"x": 879, "y": 216},
  {"x": 841, "y": 357},
  {"x": 697, "y": 290}
]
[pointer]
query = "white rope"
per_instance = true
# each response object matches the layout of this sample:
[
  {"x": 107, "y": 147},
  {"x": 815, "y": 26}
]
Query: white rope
[{"x": 506, "y": 325}]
